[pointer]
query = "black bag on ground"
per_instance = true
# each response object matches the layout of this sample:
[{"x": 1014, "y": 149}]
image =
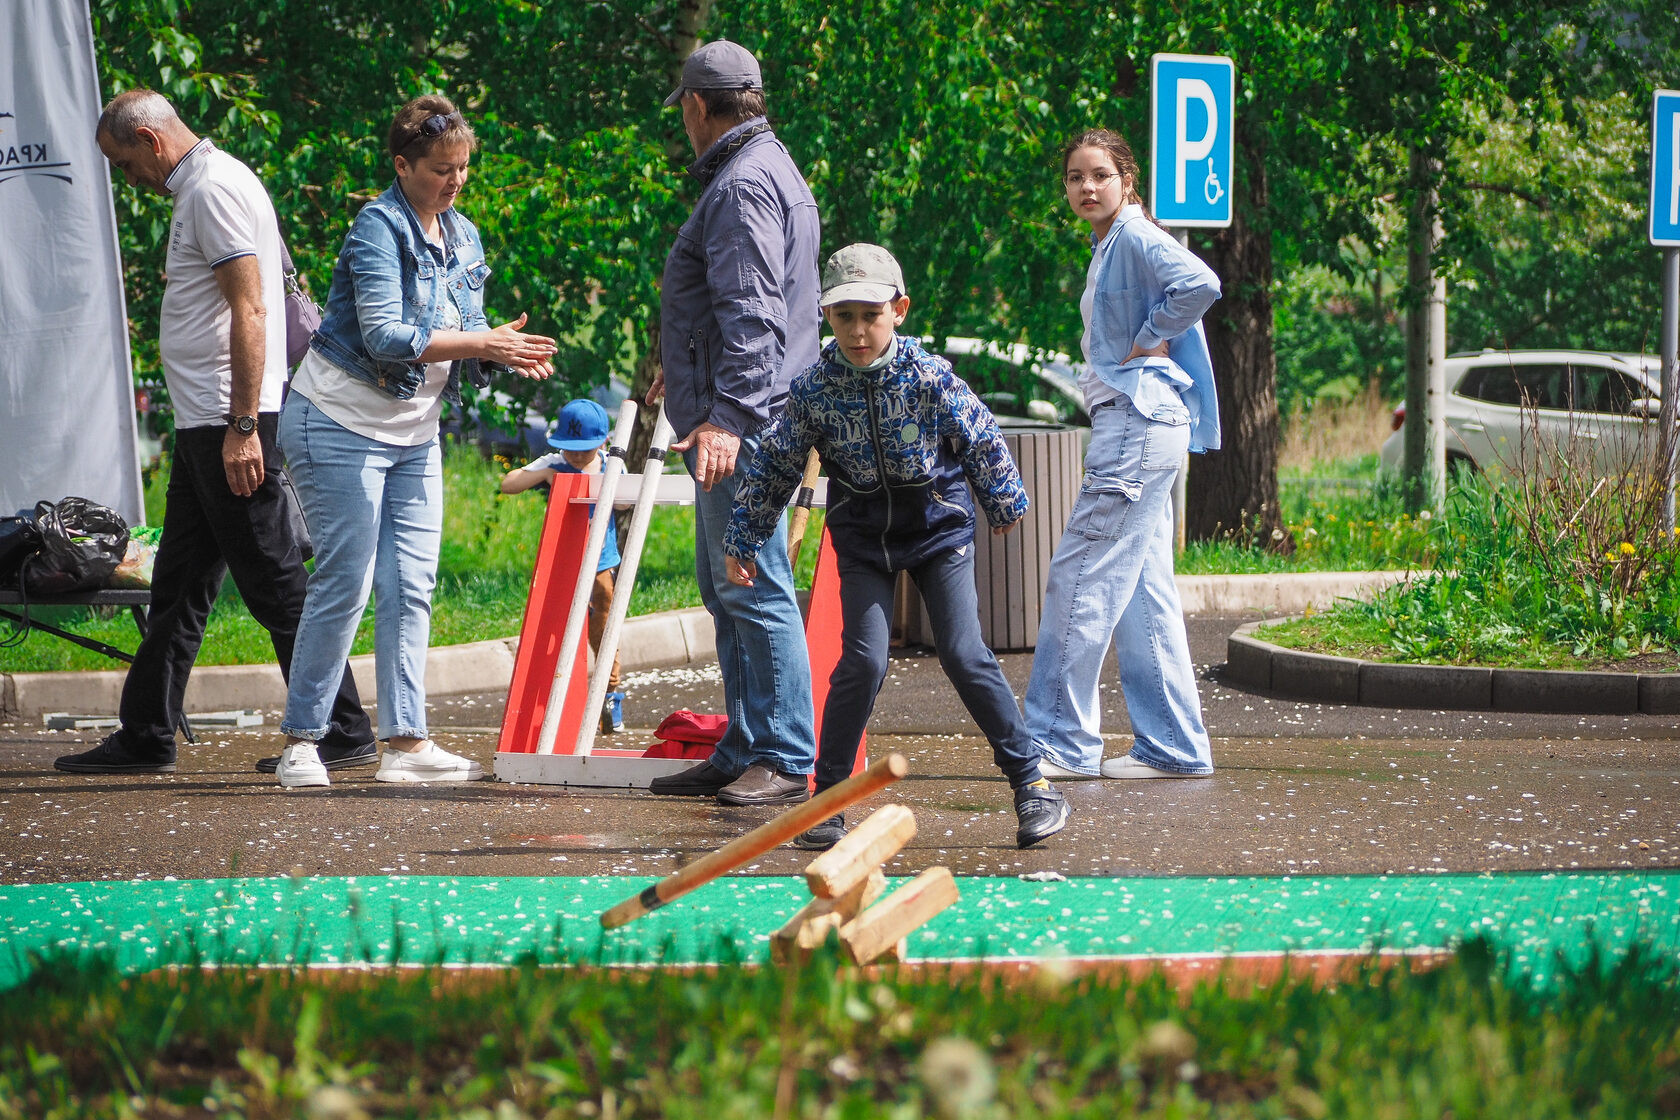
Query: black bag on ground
[
  {"x": 81, "y": 544},
  {"x": 18, "y": 542}
]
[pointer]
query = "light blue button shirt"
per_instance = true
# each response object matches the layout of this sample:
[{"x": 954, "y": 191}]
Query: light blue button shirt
[{"x": 1150, "y": 290}]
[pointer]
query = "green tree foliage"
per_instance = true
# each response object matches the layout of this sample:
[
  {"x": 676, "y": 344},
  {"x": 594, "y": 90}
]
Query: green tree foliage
[{"x": 933, "y": 127}]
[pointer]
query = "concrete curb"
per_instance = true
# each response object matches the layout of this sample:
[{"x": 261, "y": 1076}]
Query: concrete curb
[
  {"x": 649, "y": 642},
  {"x": 1260, "y": 666}
]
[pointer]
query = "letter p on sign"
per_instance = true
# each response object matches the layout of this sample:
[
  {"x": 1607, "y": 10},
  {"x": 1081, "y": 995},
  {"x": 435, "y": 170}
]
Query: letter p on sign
[{"x": 1192, "y": 117}]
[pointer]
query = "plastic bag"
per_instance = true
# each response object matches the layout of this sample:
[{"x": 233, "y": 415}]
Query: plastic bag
[{"x": 82, "y": 542}]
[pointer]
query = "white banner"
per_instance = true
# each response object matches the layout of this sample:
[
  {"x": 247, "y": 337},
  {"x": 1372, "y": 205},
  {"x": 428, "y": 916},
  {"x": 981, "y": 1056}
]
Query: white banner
[{"x": 66, "y": 387}]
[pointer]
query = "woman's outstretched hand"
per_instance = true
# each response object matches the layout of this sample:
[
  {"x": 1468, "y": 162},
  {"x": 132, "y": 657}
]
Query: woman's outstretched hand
[{"x": 527, "y": 354}]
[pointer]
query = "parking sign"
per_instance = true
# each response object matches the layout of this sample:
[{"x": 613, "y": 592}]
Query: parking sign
[
  {"x": 1665, "y": 168},
  {"x": 1192, "y": 110}
]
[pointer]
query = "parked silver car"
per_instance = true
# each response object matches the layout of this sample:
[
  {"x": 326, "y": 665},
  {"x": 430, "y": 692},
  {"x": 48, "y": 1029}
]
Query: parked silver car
[
  {"x": 1042, "y": 387},
  {"x": 1506, "y": 407}
]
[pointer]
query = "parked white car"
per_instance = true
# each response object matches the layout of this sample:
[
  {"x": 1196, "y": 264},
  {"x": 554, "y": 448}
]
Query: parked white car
[{"x": 1506, "y": 406}]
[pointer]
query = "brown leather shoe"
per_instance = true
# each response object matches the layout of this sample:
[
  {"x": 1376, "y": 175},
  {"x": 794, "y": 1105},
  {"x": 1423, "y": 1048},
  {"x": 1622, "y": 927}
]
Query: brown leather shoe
[
  {"x": 760, "y": 785},
  {"x": 697, "y": 781}
]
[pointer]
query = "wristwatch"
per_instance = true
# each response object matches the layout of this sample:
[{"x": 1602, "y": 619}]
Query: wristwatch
[{"x": 244, "y": 425}]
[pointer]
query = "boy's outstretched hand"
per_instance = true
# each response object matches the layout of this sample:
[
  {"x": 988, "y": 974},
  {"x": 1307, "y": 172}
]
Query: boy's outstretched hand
[{"x": 739, "y": 572}]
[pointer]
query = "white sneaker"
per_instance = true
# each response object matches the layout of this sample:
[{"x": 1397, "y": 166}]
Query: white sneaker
[
  {"x": 1056, "y": 773},
  {"x": 300, "y": 765},
  {"x": 1128, "y": 767},
  {"x": 428, "y": 763}
]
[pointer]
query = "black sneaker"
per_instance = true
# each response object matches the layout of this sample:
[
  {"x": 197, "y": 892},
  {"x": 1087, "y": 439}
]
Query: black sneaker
[
  {"x": 112, "y": 756},
  {"x": 700, "y": 780},
  {"x": 822, "y": 837},
  {"x": 1041, "y": 811},
  {"x": 333, "y": 758}
]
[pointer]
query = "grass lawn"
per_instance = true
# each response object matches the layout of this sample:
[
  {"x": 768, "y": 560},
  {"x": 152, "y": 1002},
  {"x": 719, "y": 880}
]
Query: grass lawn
[
  {"x": 484, "y": 575},
  {"x": 1466, "y": 1039}
]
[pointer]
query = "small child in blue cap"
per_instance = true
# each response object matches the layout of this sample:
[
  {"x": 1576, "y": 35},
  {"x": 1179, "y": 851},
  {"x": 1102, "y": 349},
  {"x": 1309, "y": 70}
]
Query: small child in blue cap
[{"x": 579, "y": 437}]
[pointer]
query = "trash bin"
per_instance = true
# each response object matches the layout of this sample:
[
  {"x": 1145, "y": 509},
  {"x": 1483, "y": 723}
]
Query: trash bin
[{"x": 1011, "y": 572}]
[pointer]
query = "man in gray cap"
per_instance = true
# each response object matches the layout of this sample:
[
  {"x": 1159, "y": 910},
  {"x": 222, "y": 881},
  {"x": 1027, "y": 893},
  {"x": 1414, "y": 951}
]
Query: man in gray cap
[{"x": 739, "y": 318}]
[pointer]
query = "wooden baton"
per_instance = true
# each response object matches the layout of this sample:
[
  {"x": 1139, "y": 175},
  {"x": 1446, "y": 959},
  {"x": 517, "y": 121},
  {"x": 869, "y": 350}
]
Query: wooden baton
[
  {"x": 772, "y": 834},
  {"x": 802, "y": 506}
]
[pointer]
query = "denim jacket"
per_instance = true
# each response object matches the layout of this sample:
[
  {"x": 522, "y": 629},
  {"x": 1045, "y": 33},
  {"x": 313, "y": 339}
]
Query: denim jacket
[
  {"x": 738, "y": 303},
  {"x": 1150, "y": 290},
  {"x": 896, "y": 444},
  {"x": 388, "y": 286}
]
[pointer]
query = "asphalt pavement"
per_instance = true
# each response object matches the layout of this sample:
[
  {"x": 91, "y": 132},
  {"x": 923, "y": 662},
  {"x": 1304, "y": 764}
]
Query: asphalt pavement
[{"x": 1300, "y": 789}]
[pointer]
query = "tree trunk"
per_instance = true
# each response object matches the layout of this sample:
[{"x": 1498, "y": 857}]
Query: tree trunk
[
  {"x": 690, "y": 23},
  {"x": 1424, "y": 462},
  {"x": 1235, "y": 489}
]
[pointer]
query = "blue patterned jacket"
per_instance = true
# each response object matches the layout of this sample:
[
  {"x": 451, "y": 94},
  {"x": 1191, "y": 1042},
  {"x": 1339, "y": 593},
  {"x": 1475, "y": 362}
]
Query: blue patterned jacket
[{"x": 896, "y": 445}]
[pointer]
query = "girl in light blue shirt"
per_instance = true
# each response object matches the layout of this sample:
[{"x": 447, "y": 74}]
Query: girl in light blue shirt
[{"x": 1149, "y": 389}]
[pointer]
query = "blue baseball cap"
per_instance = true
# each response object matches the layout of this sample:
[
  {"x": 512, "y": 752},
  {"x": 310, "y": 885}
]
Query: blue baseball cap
[{"x": 581, "y": 426}]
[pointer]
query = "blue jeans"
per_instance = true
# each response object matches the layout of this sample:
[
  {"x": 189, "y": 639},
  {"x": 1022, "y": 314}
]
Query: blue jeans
[
  {"x": 760, "y": 642},
  {"x": 375, "y": 512},
  {"x": 946, "y": 583},
  {"x": 1111, "y": 583}
]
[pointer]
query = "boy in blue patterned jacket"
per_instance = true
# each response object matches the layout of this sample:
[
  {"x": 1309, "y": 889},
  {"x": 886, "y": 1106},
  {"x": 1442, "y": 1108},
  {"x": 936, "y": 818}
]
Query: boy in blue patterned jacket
[{"x": 884, "y": 415}]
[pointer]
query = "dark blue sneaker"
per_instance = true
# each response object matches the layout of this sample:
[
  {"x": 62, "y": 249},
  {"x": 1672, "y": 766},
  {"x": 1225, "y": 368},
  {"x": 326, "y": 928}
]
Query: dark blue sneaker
[
  {"x": 1041, "y": 811},
  {"x": 822, "y": 837}
]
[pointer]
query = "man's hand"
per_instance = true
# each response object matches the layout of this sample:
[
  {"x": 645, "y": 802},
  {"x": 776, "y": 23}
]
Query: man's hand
[
  {"x": 741, "y": 572},
  {"x": 715, "y": 449},
  {"x": 656, "y": 391},
  {"x": 1139, "y": 352},
  {"x": 242, "y": 459}
]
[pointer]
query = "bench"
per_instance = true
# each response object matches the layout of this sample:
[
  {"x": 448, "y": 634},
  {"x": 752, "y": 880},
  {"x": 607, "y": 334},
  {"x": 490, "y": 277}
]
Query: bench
[{"x": 137, "y": 600}]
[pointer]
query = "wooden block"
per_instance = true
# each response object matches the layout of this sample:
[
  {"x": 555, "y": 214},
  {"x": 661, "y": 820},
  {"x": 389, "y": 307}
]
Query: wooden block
[
  {"x": 907, "y": 909},
  {"x": 860, "y": 851},
  {"x": 810, "y": 927}
]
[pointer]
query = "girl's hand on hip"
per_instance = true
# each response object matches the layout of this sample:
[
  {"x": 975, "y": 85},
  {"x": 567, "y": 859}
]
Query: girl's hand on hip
[{"x": 1139, "y": 352}]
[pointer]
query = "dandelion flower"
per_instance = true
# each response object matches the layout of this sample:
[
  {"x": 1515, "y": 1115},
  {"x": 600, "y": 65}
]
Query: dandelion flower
[
  {"x": 1277, "y": 534},
  {"x": 1627, "y": 549},
  {"x": 958, "y": 1075},
  {"x": 1425, "y": 515}
]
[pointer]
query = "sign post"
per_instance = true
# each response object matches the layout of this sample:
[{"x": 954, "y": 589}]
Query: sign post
[
  {"x": 1665, "y": 233},
  {"x": 1192, "y": 121}
]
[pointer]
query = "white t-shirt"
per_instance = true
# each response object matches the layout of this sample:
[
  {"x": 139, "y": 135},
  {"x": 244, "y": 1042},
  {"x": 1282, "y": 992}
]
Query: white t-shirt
[
  {"x": 1096, "y": 390},
  {"x": 368, "y": 410},
  {"x": 221, "y": 212}
]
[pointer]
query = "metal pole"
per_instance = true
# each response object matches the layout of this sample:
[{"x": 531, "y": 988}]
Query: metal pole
[
  {"x": 572, "y": 636},
  {"x": 1181, "y": 484},
  {"x": 1670, "y": 354},
  {"x": 625, "y": 583}
]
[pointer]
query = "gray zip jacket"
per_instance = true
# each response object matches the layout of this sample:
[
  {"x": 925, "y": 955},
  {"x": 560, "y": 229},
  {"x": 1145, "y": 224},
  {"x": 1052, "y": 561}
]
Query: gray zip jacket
[{"x": 739, "y": 309}]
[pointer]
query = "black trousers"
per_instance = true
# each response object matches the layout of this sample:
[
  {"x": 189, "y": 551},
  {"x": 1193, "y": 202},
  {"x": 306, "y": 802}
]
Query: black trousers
[
  {"x": 208, "y": 532},
  {"x": 946, "y": 583}
]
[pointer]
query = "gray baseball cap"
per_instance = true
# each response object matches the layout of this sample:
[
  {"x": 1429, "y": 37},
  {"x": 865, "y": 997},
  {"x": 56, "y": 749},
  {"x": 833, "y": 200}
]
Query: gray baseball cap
[
  {"x": 862, "y": 272},
  {"x": 718, "y": 65}
]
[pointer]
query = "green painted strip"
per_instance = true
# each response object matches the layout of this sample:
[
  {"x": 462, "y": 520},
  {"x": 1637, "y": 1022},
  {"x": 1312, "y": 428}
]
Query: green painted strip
[{"x": 423, "y": 920}]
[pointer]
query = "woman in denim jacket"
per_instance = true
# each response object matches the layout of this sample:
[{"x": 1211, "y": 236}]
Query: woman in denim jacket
[
  {"x": 404, "y": 322},
  {"x": 1149, "y": 388}
]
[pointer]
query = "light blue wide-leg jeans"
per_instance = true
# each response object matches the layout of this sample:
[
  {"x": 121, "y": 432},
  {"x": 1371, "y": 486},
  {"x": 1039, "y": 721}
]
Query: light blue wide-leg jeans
[
  {"x": 760, "y": 641},
  {"x": 375, "y": 513},
  {"x": 1111, "y": 582}
]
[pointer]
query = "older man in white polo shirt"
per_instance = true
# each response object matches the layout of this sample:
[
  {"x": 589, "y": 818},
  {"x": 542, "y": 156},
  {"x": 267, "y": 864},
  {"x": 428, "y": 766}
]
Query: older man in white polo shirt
[{"x": 223, "y": 343}]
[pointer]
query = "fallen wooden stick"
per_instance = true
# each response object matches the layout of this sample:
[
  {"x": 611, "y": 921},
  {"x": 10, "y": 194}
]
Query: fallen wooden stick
[
  {"x": 772, "y": 834},
  {"x": 873, "y": 842},
  {"x": 885, "y": 924},
  {"x": 810, "y": 927}
]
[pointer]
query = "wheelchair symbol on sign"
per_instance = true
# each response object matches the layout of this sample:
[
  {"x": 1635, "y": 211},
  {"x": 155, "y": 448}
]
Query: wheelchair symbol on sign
[{"x": 1211, "y": 187}]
